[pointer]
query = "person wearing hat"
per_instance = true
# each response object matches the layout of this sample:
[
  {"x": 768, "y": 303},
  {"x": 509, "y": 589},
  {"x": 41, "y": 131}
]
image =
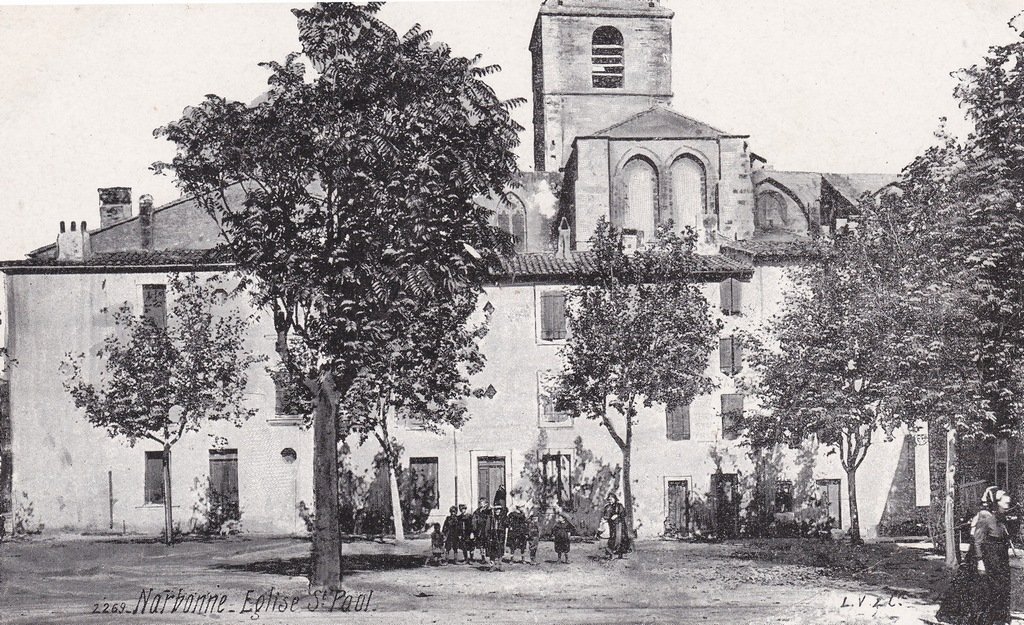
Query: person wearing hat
[
  {"x": 481, "y": 525},
  {"x": 465, "y": 533},
  {"x": 979, "y": 593},
  {"x": 451, "y": 531},
  {"x": 992, "y": 550},
  {"x": 497, "y": 535},
  {"x": 618, "y": 534},
  {"x": 517, "y": 533}
]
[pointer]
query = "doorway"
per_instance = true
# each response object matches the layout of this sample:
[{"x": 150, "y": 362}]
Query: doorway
[
  {"x": 677, "y": 495},
  {"x": 490, "y": 471},
  {"x": 828, "y": 492}
]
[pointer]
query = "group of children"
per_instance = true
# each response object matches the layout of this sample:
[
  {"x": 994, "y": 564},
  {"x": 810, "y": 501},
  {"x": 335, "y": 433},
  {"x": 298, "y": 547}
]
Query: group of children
[{"x": 493, "y": 532}]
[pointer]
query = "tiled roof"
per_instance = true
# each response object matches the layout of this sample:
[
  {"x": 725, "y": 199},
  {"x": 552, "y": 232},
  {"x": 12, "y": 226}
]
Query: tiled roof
[
  {"x": 548, "y": 267},
  {"x": 519, "y": 268},
  {"x": 121, "y": 261},
  {"x": 773, "y": 249},
  {"x": 852, "y": 186}
]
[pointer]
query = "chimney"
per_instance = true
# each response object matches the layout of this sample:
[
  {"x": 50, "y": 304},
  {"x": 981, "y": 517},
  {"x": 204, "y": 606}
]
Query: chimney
[
  {"x": 73, "y": 245},
  {"x": 146, "y": 221},
  {"x": 562, "y": 249},
  {"x": 115, "y": 205}
]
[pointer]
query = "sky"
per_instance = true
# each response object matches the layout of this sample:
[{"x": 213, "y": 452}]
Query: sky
[{"x": 819, "y": 85}]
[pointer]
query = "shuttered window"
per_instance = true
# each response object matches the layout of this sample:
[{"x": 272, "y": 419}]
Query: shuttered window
[
  {"x": 154, "y": 304},
  {"x": 677, "y": 423},
  {"x": 424, "y": 471},
  {"x": 546, "y": 382},
  {"x": 552, "y": 316},
  {"x": 224, "y": 476},
  {"x": 731, "y": 300},
  {"x": 732, "y": 410},
  {"x": 730, "y": 353},
  {"x": 154, "y": 477},
  {"x": 556, "y": 469}
]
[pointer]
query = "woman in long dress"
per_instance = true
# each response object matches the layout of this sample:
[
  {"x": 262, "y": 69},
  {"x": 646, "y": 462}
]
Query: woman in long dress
[
  {"x": 618, "y": 535},
  {"x": 980, "y": 591}
]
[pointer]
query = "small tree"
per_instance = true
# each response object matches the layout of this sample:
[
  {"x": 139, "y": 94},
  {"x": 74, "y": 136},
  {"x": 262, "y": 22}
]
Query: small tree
[
  {"x": 421, "y": 374},
  {"x": 821, "y": 372},
  {"x": 162, "y": 379},
  {"x": 640, "y": 333}
]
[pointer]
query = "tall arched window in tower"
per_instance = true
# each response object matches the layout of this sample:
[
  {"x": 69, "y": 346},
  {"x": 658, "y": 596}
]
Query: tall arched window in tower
[
  {"x": 640, "y": 207},
  {"x": 608, "y": 59},
  {"x": 689, "y": 193}
]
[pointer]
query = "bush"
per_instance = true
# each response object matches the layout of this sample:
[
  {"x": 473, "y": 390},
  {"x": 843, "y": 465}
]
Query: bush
[
  {"x": 24, "y": 520},
  {"x": 213, "y": 512}
]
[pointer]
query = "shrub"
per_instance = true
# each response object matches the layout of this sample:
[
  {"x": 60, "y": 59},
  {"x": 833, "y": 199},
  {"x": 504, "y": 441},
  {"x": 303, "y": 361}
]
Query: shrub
[{"x": 213, "y": 512}]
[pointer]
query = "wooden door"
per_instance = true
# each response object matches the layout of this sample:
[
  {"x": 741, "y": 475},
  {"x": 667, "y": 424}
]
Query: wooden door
[
  {"x": 678, "y": 507},
  {"x": 490, "y": 472},
  {"x": 830, "y": 498}
]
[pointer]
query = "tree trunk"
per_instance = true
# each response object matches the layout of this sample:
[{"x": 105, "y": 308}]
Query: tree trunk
[
  {"x": 327, "y": 531},
  {"x": 168, "y": 516},
  {"x": 851, "y": 488},
  {"x": 952, "y": 544},
  {"x": 627, "y": 490},
  {"x": 396, "y": 504}
]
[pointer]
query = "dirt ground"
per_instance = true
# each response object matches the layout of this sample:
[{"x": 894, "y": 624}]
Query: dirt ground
[{"x": 72, "y": 580}]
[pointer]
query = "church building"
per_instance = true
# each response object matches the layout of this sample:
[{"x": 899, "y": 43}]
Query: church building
[{"x": 607, "y": 144}]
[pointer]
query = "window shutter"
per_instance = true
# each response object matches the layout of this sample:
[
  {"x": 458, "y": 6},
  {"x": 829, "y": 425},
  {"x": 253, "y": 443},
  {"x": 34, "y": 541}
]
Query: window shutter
[
  {"x": 552, "y": 316},
  {"x": 677, "y": 426},
  {"x": 730, "y": 354},
  {"x": 725, "y": 290},
  {"x": 732, "y": 410},
  {"x": 736, "y": 292},
  {"x": 154, "y": 304},
  {"x": 154, "y": 477}
]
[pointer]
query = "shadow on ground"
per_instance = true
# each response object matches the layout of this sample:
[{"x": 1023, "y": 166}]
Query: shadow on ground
[{"x": 351, "y": 564}]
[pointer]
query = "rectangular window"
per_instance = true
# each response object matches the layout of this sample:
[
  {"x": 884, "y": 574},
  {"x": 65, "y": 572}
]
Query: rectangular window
[
  {"x": 549, "y": 416},
  {"x": 224, "y": 477},
  {"x": 731, "y": 296},
  {"x": 784, "y": 496},
  {"x": 552, "y": 316},
  {"x": 677, "y": 423},
  {"x": 730, "y": 353},
  {"x": 556, "y": 469},
  {"x": 424, "y": 471},
  {"x": 154, "y": 477},
  {"x": 732, "y": 410},
  {"x": 154, "y": 304}
]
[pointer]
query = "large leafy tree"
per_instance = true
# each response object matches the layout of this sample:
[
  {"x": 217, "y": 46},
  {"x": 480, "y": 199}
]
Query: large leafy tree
[
  {"x": 422, "y": 376},
  {"x": 356, "y": 210},
  {"x": 640, "y": 332},
  {"x": 163, "y": 380},
  {"x": 821, "y": 365},
  {"x": 955, "y": 234}
]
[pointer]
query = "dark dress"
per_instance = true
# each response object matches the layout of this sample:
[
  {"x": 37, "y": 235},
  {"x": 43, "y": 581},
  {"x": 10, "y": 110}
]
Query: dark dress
[
  {"x": 466, "y": 532},
  {"x": 562, "y": 533},
  {"x": 496, "y": 535},
  {"x": 618, "y": 537},
  {"x": 451, "y": 532},
  {"x": 481, "y": 522},
  {"x": 975, "y": 598},
  {"x": 517, "y": 531}
]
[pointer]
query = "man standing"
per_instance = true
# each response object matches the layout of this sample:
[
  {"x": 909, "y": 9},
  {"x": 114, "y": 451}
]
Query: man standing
[
  {"x": 481, "y": 525},
  {"x": 451, "y": 532},
  {"x": 465, "y": 533},
  {"x": 517, "y": 533}
]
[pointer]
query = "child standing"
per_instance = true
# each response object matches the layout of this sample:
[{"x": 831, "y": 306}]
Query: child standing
[
  {"x": 436, "y": 546},
  {"x": 561, "y": 532},
  {"x": 451, "y": 531}
]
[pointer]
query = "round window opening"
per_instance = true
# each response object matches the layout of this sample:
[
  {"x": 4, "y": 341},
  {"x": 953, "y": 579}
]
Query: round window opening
[{"x": 289, "y": 455}]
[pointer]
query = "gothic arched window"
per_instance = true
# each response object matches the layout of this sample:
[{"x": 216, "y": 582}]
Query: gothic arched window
[
  {"x": 641, "y": 197},
  {"x": 510, "y": 216},
  {"x": 608, "y": 58},
  {"x": 689, "y": 192},
  {"x": 771, "y": 212}
]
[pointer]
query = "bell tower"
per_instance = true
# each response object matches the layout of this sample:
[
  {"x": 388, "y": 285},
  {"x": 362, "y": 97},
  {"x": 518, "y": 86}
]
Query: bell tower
[{"x": 595, "y": 63}]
